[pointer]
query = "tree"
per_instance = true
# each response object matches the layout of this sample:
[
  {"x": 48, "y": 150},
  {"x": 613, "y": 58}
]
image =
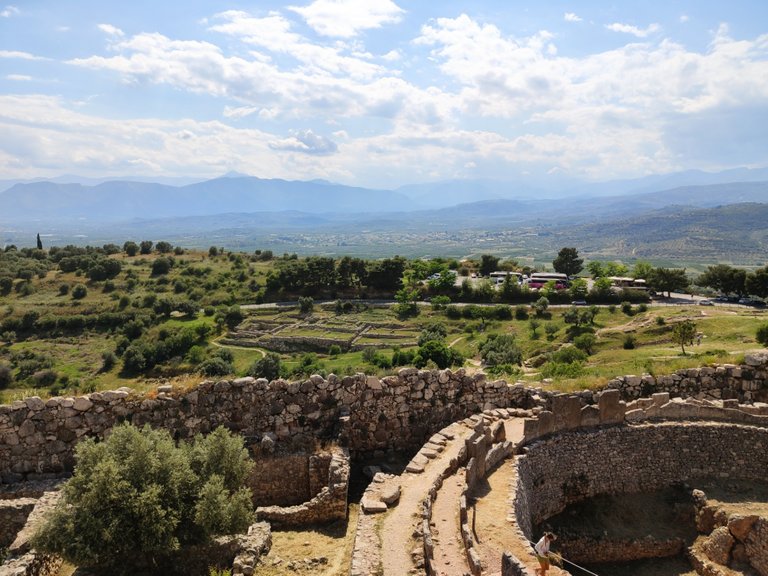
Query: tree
[
  {"x": 306, "y": 304},
  {"x": 642, "y": 269},
  {"x": 568, "y": 262},
  {"x": 164, "y": 247},
  {"x": 136, "y": 498},
  {"x": 683, "y": 333},
  {"x": 488, "y": 264},
  {"x": 757, "y": 283},
  {"x": 501, "y": 349},
  {"x": 39, "y": 242},
  {"x": 161, "y": 266},
  {"x": 267, "y": 367},
  {"x": 724, "y": 278},
  {"x": 131, "y": 248},
  {"x": 145, "y": 246},
  {"x": 439, "y": 353},
  {"x": 668, "y": 279}
]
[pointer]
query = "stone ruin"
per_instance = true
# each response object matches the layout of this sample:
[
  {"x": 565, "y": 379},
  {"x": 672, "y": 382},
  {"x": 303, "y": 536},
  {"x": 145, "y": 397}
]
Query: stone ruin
[{"x": 358, "y": 417}]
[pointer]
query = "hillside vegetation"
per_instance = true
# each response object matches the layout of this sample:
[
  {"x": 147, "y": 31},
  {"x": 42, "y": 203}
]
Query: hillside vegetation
[{"x": 76, "y": 320}]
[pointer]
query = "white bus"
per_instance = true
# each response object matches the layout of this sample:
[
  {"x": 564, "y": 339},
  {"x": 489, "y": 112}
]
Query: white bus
[
  {"x": 538, "y": 279},
  {"x": 619, "y": 283}
]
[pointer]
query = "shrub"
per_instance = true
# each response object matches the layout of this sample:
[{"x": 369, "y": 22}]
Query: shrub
[
  {"x": 63, "y": 289},
  {"x": 79, "y": 292},
  {"x": 762, "y": 335},
  {"x": 521, "y": 312},
  {"x": 267, "y": 367},
  {"x": 215, "y": 367},
  {"x": 334, "y": 350},
  {"x": 660, "y": 320},
  {"x": 108, "y": 361},
  {"x": 501, "y": 349},
  {"x": 629, "y": 342},
  {"x": 6, "y": 376},
  {"x": 136, "y": 498},
  {"x": 569, "y": 355},
  {"x": 562, "y": 370},
  {"x": 585, "y": 342}
]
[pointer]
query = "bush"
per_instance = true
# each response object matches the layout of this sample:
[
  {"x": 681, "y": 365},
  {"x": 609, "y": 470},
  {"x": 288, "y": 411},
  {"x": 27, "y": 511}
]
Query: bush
[
  {"x": 521, "y": 312},
  {"x": 136, "y": 498},
  {"x": 108, "y": 361},
  {"x": 629, "y": 342},
  {"x": 215, "y": 367},
  {"x": 6, "y": 376},
  {"x": 660, "y": 320},
  {"x": 569, "y": 355},
  {"x": 626, "y": 308},
  {"x": 267, "y": 367},
  {"x": 501, "y": 349},
  {"x": 585, "y": 342},
  {"x": 63, "y": 289},
  {"x": 762, "y": 335},
  {"x": 79, "y": 292},
  {"x": 334, "y": 350}
]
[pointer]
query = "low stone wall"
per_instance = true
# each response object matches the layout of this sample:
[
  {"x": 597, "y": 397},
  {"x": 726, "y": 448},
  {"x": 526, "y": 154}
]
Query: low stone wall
[
  {"x": 329, "y": 504},
  {"x": 13, "y": 516},
  {"x": 367, "y": 414},
  {"x": 631, "y": 458},
  {"x": 594, "y": 551},
  {"x": 308, "y": 475}
]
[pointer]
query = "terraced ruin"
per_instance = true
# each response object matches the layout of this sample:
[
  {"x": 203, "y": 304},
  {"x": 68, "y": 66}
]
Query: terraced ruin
[{"x": 491, "y": 464}]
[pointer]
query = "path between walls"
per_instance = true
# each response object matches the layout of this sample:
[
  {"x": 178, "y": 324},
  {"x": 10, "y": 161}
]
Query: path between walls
[{"x": 402, "y": 522}]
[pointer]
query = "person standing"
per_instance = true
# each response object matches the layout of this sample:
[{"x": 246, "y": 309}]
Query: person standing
[{"x": 542, "y": 552}]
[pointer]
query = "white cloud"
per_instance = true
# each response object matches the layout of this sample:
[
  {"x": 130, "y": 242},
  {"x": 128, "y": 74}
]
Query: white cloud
[
  {"x": 19, "y": 77},
  {"x": 306, "y": 142},
  {"x": 392, "y": 56},
  {"x": 111, "y": 30},
  {"x": 634, "y": 30},
  {"x": 347, "y": 18},
  {"x": 19, "y": 55},
  {"x": 239, "y": 111},
  {"x": 684, "y": 18},
  {"x": 571, "y": 17},
  {"x": 9, "y": 11}
]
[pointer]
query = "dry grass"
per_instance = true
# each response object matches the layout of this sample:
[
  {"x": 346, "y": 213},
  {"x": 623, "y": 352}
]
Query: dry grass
[{"x": 316, "y": 551}]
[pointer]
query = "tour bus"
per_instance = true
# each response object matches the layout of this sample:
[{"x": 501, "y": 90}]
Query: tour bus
[
  {"x": 538, "y": 279},
  {"x": 619, "y": 283},
  {"x": 498, "y": 277}
]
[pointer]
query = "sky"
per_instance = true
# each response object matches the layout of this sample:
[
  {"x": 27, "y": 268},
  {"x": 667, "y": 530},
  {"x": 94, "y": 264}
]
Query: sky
[{"x": 381, "y": 93}]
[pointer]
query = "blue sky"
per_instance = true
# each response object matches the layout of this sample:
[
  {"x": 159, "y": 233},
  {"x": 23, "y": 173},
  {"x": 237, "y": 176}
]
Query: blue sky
[{"x": 381, "y": 93}]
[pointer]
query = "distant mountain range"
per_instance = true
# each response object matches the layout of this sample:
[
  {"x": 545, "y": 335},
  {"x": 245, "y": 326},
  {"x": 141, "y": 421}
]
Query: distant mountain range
[{"x": 727, "y": 219}]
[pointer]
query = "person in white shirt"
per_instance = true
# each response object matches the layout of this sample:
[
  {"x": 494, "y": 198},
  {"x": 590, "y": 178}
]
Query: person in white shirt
[{"x": 542, "y": 552}]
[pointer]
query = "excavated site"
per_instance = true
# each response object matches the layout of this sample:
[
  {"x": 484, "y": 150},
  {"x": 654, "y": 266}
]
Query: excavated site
[{"x": 652, "y": 475}]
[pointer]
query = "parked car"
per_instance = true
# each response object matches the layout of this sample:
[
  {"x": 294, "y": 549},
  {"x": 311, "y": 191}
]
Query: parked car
[
  {"x": 579, "y": 302},
  {"x": 706, "y": 303}
]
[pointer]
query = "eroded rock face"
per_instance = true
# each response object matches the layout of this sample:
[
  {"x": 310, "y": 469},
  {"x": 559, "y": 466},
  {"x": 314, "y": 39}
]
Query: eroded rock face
[{"x": 719, "y": 545}]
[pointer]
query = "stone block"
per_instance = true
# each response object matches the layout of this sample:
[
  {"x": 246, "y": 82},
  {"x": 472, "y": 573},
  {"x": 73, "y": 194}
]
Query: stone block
[
  {"x": 612, "y": 409},
  {"x": 660, "y": 398},
  {"x": 530, "y": 429},
  {"x": 590, "y": 416},
  {"x": 546, "y": 423},
  {"x": 372, "y": 505},
  {"x": 567, "y": 412}
]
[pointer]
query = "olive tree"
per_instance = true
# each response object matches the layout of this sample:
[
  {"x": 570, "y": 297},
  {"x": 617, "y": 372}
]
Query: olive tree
[{"x": 137, "y": 498}]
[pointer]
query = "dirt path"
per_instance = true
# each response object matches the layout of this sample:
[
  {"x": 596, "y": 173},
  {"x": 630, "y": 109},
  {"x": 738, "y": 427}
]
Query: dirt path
[
  {"x": 399, "y": 525},
  {"x": 450, "y": 557}
]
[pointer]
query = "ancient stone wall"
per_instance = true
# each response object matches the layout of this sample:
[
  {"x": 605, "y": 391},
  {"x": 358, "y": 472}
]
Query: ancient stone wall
[
  {"x": 632, "y": 458},
  {"x": 268, "y": 480},
  {"x": 37, "y": 437},
  {"x": 367, "y": 414},
  {"x": 13, "y": 516}
]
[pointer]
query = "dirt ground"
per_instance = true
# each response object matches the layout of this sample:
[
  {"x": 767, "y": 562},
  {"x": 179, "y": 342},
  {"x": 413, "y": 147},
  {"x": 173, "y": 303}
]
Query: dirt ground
[{"x": 666, "y": 513}]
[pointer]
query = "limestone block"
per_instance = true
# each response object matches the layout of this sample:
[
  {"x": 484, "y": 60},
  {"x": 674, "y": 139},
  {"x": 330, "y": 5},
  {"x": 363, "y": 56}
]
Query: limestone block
[
  {"x": 660, "y": 398},
  {"x": 740, "y": 526},
  {"x": 590, "y": 416},
  {"x": 567, "y": 412},
  {"x": 718, "y": 546},
  {"x": 612, "y": 409},
  {"x": 390, "y": 494},
  {"x": 372, "y": 505},
  {"x": 82, "y": 403},
  {"x": 546, "y": 423}
]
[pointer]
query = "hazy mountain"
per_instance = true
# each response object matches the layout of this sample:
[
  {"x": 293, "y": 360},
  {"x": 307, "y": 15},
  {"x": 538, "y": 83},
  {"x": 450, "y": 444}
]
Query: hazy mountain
[{"x": 124, "y": 200}]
